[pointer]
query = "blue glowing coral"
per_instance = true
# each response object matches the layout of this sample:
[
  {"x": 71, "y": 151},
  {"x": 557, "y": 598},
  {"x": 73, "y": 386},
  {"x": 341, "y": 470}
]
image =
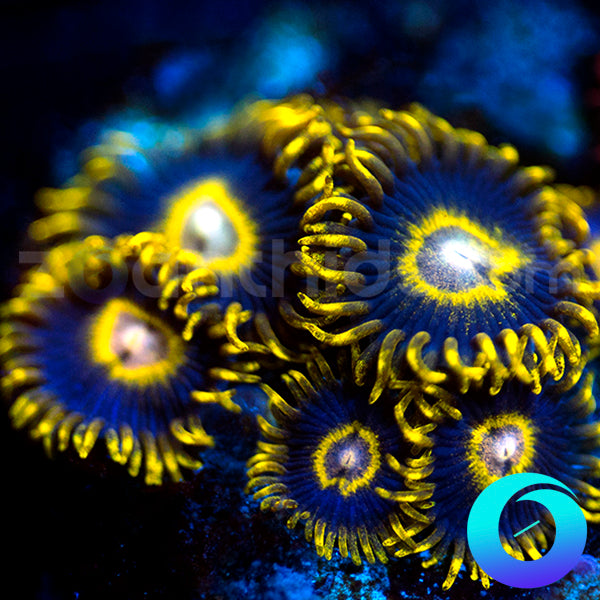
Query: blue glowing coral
[
  {"x": 125, "y": 186},
  {"x": 453, "y": 292},
  {"x": 331, "y": 460},
  {"x": 87, "y": 355},
  {"x": 215, "y": 204},
  {"x": 237, "y": 226},
  {"x": 446, "y": 261},
  {"x": 556, "y": 433}
]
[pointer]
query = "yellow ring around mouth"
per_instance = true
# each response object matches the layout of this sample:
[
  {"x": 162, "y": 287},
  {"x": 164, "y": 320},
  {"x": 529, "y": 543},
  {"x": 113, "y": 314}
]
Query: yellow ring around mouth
[
  {"x": 501, "y": 257},
  {"x": 327, "y": 445},
  {"x": 101, "y": 334},
  {"x": 215, "y": 191},
  {"x": 497, "y": 423}
]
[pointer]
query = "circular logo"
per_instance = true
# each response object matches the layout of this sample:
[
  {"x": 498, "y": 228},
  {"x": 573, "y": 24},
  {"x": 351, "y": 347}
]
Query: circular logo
[{"x": 484, "y": 537}]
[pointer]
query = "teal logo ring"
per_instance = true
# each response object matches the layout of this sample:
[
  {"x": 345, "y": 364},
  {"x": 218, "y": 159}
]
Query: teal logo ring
[{"x": 483, "y": 531}]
